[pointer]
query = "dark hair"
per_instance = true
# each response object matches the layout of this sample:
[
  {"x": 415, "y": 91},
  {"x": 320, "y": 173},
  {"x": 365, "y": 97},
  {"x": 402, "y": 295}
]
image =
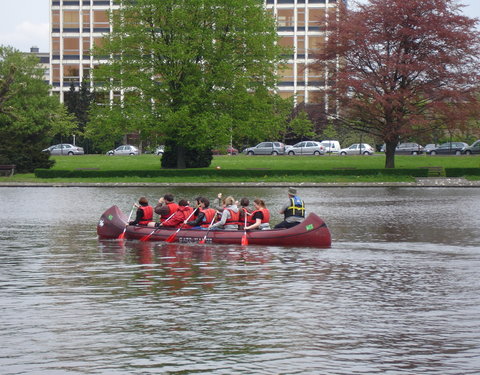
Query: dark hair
[
  {"x": 143, "y": 201},
  {"x": 244, "y": 202},
  {"x": 260, "y": 202},
  {"x": 205, "y": 202},
  {"x": 168, "y": 197},
  {"x": 183, "y": 202}
]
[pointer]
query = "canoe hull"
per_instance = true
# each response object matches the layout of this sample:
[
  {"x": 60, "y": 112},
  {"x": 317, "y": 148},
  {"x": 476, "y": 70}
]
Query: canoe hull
[{"x": 312, "y": 232}]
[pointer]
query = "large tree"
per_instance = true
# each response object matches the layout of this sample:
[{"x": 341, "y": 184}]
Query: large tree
[
  {"x": 29, "y": 116},
  {"x": 195, "y": 71},
  {"x": 396, "y": 67}
]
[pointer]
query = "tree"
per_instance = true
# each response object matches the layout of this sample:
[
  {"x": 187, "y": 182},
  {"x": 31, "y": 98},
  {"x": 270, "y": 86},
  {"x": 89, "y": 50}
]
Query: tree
[
  {"x": 78, "y": 103},
  {"x": 397, "y": 66},
  {"x": 28, "y": 114},
  {"x": 196, "y": 71}
]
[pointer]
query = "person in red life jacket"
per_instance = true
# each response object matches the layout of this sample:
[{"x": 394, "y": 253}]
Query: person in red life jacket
[
  {"x": 261, "y": 216},
  {"x": 144, "y": 213},
  {"x": 293, "y": 210},
  {"x": 179, "y": 217},
  {"x": 244, "y": 211},
  {"x": 230, "y": 215},
  {"x": 205, "y": 215},
  {"x": 166, "y": 207}
]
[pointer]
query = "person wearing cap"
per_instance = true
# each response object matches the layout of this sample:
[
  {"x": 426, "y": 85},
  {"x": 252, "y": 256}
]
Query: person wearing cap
[
  {"x": 293, "y": 210},
  {"x": 144, "y": 212}
]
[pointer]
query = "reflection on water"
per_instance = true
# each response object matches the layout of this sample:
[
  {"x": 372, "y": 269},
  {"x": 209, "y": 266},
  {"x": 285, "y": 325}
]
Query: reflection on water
[{"x": 397, "y": 293}]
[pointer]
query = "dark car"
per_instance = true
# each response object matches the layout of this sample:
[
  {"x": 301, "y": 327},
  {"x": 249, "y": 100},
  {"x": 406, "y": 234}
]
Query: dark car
[
  {"x": 473, "y": 149},
  {"x": 449, "y": 148},
  {"x": 409, "y": 148}
]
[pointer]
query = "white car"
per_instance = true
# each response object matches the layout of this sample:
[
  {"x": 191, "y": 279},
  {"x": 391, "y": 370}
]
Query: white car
[
  {"x": 305, "y": 148},
  {"x": 124, "y": 150},
  {"x": 358, "y": 149},
  {"x": 331, "y": 147},
  {"x": 64, "y": 149}
]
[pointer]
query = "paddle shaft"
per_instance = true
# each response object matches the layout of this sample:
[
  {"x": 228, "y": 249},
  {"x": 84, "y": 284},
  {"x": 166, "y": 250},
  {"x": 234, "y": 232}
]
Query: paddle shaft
[
  {"x": 144, "y": 238},
  {"x": 208, "y": 230},
  {"x": 129, "y": 217},
  {"x": 172, "y": 237}
]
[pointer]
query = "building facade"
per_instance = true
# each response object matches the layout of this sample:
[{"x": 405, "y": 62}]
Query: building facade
[{"x": 78, "y": 26}]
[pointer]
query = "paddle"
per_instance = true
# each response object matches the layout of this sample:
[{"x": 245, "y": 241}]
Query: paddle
[
  {"x": 122, "y": 235},
  {"x": 171, "y": 238},
  {"x": 244, "y": 237},
  {"x": 146, "y": 237},
  {"x": 208, "y": 230}
]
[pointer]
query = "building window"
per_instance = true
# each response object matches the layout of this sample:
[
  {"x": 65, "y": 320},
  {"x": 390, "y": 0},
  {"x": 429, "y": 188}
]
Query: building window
[
  {"x": 71, "y": 46},
  {"x": 101, "y": 20},
  {"x": 71, "y": 73},
  {"x": 70, "y": 19},
  {"x": 55, "y": 46}
]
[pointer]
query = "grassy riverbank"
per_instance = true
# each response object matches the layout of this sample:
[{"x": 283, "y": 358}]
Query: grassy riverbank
[{"x": 241, "y": 168}]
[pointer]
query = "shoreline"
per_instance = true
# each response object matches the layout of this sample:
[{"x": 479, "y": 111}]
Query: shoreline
[{"x": 420, "y": 182}]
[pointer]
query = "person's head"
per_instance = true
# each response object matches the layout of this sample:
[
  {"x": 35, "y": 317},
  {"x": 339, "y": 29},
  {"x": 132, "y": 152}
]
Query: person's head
[
  {"x": 143, "y": 201},
  {"x": 183, "y": 202},
  {"x": 168, "y": 197},
  {"x": 259, "y": 203},
  {"x": 244, "y": 202},
  {"x": 228, "y": 201},
  {"x": 198, "y": 200},
  {"x": 292, "y": 191},
  {"x": 205, "y": 202}
]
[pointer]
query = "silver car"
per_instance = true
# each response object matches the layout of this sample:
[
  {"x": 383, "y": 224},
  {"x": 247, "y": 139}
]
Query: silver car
[
  {"x": 124, "y": 150},
  {"x": 358, "y": 149},
  {"x": 266, "y": 148},
  {"x": 64, "y": 149},
  {"x": 306, "y": 148}
]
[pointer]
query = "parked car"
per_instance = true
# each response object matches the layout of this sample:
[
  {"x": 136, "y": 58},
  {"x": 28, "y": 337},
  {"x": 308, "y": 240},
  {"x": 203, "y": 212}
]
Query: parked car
[
  {"x": 306, "y": 148},
  {"x": 429, "y": 147},
  {"x": 227, "y": 150},
  {"x": 64, "y": 149},
  {"x": 409, "y": 148},
  {"x": 124, "y": 150},
  {"x": 358, "y": 149},
  {"x": 449, "y": 148},
  {"x": 331, "y": 147},
  {"x": 266, "y": 148},
  {"x": 160, "y": 150},
  {"x": 473, "y": 149}
]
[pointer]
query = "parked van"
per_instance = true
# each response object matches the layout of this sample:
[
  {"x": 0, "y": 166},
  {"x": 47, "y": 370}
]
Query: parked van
[{"x": 331, "y": 147}]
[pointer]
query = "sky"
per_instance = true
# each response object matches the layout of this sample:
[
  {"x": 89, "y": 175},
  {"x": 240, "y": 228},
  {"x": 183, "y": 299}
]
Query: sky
[{"x": 25, "y": 23}]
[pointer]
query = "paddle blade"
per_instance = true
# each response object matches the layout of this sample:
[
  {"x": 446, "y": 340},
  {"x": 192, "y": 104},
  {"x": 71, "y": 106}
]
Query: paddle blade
[
  {"x": 122, "y": 235},
  {"x": 171, "y": 238},
  {"x": 202, "y": 241},
  {"x": 244, "y": 240}
]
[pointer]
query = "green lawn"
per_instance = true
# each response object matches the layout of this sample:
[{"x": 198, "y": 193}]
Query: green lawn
[{"x": 255, "y": 168}]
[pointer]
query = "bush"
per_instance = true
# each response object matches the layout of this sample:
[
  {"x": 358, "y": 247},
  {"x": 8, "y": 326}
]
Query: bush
[{"x": 26, "y": 157}]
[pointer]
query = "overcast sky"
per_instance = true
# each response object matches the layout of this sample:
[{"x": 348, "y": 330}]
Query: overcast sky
[{"x": 24, "y": 23}]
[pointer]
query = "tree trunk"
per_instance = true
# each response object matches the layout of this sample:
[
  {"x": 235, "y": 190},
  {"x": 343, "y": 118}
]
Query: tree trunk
[
  {"x": 181, "y": 157},
  {"x": 390, "y": 154}
]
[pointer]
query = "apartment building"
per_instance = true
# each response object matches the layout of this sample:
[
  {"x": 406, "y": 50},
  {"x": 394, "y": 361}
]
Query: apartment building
[{"x": 77, "y": 26}]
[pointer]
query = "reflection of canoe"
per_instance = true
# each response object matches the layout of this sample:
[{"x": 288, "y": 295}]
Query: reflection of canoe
[{"x": 313, "y": 232}]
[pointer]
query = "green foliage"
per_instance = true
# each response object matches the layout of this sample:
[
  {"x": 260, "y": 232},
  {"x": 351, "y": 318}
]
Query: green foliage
[
  {"x": 194, "y": 72},
  {"x": 194, "y": 158},
  {"x": 29, "y": 116},
  {"x": 301, "y": 126}
]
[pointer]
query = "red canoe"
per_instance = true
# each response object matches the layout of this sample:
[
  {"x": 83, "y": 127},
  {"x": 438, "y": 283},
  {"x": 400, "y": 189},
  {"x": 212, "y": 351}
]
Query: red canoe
[{"x": 312, "y": 232}]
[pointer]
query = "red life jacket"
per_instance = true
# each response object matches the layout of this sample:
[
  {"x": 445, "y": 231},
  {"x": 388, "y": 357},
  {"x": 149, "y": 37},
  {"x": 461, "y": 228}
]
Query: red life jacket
[
  {"x": 173, "y": 207},
  {"x": 266, "y": 215},
  {"x": 208, "y": 218},
  {"x": 147, "y": 215},
  {"x": 245, "y": 212},
  {"x": 234, "y": 217},
  {"x": 179, "y": 217}
]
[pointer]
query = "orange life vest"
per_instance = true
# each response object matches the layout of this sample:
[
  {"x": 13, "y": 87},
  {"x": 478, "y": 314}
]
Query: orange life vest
[
  {"x": 266, "y": 215},
  {"x": 147, "y": 215},
  {"x": 209, "y": 213},
  {"x": 234, "y": 217}
]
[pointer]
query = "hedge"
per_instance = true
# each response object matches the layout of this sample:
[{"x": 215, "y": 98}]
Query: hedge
[{"x": 246, "y": 173}]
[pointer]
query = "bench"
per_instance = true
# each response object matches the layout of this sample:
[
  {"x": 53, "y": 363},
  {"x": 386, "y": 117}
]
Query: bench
[{"x": 7, "y": 170}]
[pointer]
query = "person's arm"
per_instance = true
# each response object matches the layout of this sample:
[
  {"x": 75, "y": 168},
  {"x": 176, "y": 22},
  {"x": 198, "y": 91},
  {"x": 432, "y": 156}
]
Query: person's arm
[
  {"x": 138, "y": 218},
  {"x": 284, "y": 208},
  {"x": 197, "y": 221},
  {"x": 258, "y": 217},
  {"x": 223, "y": 219}
]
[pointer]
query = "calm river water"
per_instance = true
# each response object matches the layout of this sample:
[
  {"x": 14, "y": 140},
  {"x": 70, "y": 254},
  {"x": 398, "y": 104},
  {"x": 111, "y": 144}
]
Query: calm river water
[{"x": 398, "y": 292}]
